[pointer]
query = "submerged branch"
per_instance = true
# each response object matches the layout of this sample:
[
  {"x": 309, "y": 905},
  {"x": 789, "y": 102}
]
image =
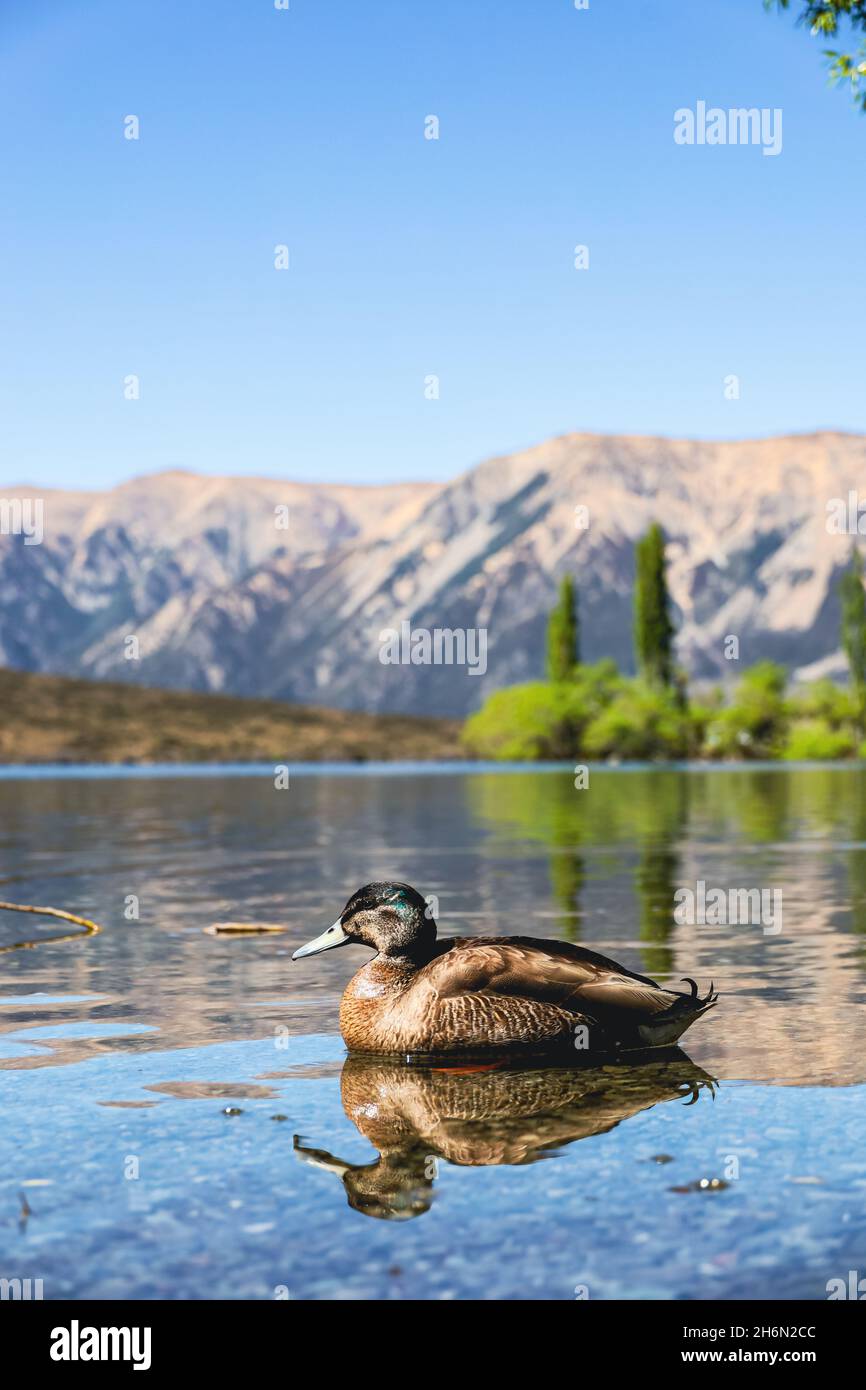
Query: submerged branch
[{"x": 90, "y": 928}]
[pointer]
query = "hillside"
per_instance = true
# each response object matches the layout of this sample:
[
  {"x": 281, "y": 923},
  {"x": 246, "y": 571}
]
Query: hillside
[{"x": 51, "y": 719}]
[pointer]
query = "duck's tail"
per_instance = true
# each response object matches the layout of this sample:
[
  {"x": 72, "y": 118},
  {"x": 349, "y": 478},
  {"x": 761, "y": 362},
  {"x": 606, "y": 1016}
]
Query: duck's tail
[{"x": 666, "y": 1027}]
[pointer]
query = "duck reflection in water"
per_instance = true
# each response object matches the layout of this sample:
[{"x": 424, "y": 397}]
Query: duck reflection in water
[{"x": 483, "y": 1115}]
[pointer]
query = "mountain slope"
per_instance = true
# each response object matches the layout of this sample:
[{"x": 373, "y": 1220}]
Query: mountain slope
[{"x": 220, "y": 598}]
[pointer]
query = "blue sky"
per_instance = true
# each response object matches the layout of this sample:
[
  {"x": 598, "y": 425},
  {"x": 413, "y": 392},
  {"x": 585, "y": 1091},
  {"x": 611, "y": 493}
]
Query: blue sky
[{"x": 411, "y": 257}]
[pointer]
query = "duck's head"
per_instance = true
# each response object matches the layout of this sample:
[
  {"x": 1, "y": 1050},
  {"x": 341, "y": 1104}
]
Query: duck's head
[{"x": 392, "y": 918}]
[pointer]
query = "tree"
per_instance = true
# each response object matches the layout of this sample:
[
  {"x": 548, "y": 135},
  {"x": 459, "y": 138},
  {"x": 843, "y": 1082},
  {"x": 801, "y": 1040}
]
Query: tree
[
  {"x": 653, "y": 629},
  {"x": 563, "y": 634},
  {"x": 822, "y": 17},
  {"x": 853, "y": 599}
]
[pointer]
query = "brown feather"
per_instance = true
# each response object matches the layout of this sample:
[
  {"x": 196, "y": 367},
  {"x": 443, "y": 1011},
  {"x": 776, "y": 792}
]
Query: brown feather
[{"x": 497, "y": 992}]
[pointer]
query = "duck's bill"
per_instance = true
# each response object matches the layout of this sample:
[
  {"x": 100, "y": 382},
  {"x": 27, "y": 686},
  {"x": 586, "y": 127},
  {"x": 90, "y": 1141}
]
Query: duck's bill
[
  {"x": 334, "y": 936},
  {"x": 320, "y": 1158}
]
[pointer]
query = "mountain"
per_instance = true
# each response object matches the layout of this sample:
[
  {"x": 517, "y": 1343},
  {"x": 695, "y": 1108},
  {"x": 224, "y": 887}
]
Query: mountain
[{"x": 222, "y": 598}]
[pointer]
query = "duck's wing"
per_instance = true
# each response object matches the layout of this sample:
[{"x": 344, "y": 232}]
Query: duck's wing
[{"x": 556, "y": 972}]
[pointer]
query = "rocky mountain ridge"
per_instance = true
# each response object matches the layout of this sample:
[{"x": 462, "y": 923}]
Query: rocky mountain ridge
[{"x": 281, "y": 589}]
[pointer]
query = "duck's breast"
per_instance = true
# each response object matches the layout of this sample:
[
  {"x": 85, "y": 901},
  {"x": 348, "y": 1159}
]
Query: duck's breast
[{"x": 386, "y": 1007}]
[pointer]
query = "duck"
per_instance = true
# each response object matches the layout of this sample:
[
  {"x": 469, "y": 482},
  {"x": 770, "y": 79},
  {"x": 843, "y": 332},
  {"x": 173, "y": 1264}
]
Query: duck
[{"x": 421, "y": 995}]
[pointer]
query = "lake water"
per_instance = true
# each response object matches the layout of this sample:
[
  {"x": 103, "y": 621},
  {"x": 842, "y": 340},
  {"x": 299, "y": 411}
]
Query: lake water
[{"x": 180, "y": 1119}]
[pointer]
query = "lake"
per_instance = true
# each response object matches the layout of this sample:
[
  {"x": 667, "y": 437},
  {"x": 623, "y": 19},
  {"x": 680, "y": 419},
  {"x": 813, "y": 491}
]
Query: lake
[{"x": 181, "y": 1121}]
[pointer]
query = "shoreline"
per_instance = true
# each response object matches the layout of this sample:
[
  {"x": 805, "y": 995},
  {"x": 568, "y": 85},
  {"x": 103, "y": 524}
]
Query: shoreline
[{"x": 408, "y": 767}]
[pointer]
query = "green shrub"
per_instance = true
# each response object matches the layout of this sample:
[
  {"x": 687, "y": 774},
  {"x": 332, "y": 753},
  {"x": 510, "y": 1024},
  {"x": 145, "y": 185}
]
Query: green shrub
[
  {"x": 640, "y": 723},
  {"x": 523, "y": 723},
  {"x": 600, "y": 714},
  {"x": 540, "y": 720},
  {"x": 755, "y": 725},
  {"x": 829, "y": 703},
  {"x": 813, "y": 740}
]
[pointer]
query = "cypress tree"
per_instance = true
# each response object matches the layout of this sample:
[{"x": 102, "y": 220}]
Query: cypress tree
[
  {"x": 653, "y": 628},
  {"x": 853, "y": 600},
  {"x": 563, "y": 634}
]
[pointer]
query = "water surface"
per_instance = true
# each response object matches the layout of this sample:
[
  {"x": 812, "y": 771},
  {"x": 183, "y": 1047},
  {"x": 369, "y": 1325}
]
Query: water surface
[{"x": 180, "y": 1120}]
